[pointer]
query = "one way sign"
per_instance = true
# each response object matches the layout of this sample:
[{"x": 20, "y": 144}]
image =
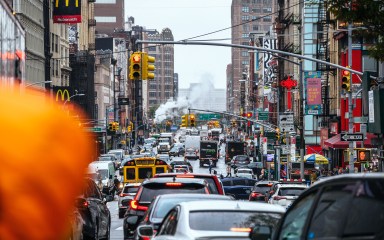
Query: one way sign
[{"x": 352, "y": 137}]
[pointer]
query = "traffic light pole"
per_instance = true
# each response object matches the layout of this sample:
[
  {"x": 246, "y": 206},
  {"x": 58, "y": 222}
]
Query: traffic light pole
[{"x": 350, "y": 103}]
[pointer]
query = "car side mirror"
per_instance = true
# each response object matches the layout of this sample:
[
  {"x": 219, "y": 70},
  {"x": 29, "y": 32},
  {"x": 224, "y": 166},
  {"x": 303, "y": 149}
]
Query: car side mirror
[
  {"x": 132, "y": 220},
  {"x": 260, "y": 233},
  {"x": 145, "y": 231}
]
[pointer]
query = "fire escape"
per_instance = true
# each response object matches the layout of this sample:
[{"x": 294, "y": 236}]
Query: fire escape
[{"x": 323, "y": 53}]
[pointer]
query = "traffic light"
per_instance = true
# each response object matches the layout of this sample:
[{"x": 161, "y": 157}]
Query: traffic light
[
  {"x": 115, "y": 126},
  {"x": 217, "y": 124},
  {"x": 192, "y": 120},
  {"x": 249, "y": 114},
  {"x": 277, "y": 134},
  {"x": 184, "y": 120},
  {"x": 135, "y": 66},
  {"x": 363, "y": 155},
  {"x": 130, "y": 126},
  {"x": 346, "y": 80},
  {"x": 110, "y": 127},
  {"x": 148, "y": 68}
]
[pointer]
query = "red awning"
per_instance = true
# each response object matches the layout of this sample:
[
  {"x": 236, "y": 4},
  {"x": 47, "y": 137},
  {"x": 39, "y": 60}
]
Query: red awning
[{"x": 335, "y": 142}]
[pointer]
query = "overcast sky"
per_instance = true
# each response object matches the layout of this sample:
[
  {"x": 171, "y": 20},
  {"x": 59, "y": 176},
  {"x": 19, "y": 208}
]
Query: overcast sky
[{"x": 187, "y": 19}]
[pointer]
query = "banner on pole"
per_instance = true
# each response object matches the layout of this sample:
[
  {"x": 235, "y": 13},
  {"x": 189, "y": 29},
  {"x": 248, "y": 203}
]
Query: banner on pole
[
  {"x": 312, "y": 82},
  {"x": 67, "y": 11}
]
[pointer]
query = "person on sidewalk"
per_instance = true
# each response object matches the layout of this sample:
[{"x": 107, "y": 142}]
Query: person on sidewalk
[{"x": 229, "y": 170}]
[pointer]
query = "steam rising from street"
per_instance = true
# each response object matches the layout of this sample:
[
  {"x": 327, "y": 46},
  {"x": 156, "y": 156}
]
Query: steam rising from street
[{"x": 199, "y": 94}]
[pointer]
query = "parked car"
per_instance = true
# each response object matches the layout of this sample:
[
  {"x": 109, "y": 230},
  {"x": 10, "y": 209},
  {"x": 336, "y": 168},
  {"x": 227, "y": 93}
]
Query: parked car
[
  {"x": 224, "y": 219},
  {"x": 239, "y": 161},
  {"x": 94, "y": 211},
  {"x": 286, "y": 194},
  {"x": 153, "y": 187},
  {"x": 161, "y": 205},
  {"x": 259, "y": 190},
  {"x": 347, "y": 206},
  {"x": 126, "y": 196},
  {"x": 234, "y": 181},
  {"x": 214, "y": 184}
]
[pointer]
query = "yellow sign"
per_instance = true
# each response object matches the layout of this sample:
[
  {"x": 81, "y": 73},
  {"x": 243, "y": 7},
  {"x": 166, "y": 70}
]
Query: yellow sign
[
  {"x": 62, "y": 94},
  {"x": 67, "y": 3}
]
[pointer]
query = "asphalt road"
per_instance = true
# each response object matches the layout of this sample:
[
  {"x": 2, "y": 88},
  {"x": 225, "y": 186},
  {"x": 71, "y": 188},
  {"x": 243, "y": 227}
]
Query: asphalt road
[{"x": 117, "y": 224}]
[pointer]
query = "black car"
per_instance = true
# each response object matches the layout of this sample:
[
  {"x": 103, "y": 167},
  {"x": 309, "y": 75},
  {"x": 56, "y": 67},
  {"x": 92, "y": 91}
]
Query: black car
[
  {"x": 181, "y": 162},
  {"x": 260, "y": 190},
  {"x": 347, "y": 206},
  {"x": 239, "y": 192},
  {"x": 161, "y": 205},
  {"x": 153, "y": 187},
  {"x": 91, "y": 205},
  {"x": 236, "y": 181}
]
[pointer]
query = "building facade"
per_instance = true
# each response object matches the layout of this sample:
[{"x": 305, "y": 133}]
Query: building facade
[{"x": 109, "y": 15}]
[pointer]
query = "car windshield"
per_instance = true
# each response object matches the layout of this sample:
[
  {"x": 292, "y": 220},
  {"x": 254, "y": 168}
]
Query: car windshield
[
  {"x": 190, "y": 150},
  {"x": 150, "y": 193},
  {"x": 103, "y": 173},
  {"x": 261, "y": 189},
  {"x": 290, "y": 191},
  {"x": 131, "y": 189},
  {"x": 105, "y": 158},
  {"x": 241, "y": 158},
  {"x": 244, "y": 171},
  {"x": 230, "y": 220}
]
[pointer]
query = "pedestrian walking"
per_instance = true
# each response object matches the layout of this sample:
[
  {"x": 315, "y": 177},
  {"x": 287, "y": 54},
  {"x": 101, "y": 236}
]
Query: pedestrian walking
[
  {"x": 229, "y": 170},
  {"x": 210, "y": 166}
]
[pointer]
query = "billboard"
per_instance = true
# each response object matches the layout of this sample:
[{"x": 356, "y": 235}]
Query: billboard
[
  {"x": 67, "y": 11},
  {"x": 312, "y": 81}
]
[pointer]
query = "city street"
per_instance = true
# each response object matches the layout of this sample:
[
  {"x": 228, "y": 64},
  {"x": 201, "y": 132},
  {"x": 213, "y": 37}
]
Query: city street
[{"x": 117, "y": 224}]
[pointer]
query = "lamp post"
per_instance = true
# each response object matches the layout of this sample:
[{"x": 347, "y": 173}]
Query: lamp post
[
  {"x": 75, "y": 95},
  {"x": 36, "y": 83}
]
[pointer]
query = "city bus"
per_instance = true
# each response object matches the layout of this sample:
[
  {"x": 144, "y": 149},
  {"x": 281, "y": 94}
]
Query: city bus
[{"x": 139, "y": 169}]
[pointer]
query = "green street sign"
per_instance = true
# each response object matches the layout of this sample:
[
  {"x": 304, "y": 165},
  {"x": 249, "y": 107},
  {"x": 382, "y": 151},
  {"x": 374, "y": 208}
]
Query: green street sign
[
  {"x": 208, "y": 116},
  {"x": 263, "y": 115},
  {"x": 95, "y": 129}
]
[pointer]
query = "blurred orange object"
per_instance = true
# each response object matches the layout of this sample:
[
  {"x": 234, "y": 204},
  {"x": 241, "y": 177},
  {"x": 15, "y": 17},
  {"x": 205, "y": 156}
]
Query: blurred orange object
[{"x": 44, "y": 155}]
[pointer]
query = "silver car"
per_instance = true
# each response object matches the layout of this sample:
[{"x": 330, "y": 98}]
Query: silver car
[
  {"x": 224, "y": 219},
  {"x": 126, "y": 196}
]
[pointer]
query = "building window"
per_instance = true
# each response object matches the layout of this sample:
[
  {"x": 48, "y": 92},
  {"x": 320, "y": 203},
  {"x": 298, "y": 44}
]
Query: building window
[
  {"x": 267, "y": 19},
  {"x": 244, "y": 62},
  {"x": 106, "y": 2},
  {"x": 255, "y": 17},
  {"x": 245, "y": 43},
  {"x": 104, "y": 19},
  {"x": 245, "y": 9},
  {"x": 244, "y": 35},
  {"x": 245, "y": 18},
  {"x": 255, "y": 27},
  {"x": 267, "y": 10},
  {"x": 245, "y": 28},
  {"x": 256, "y": 10},
  {"x": 244, "y": 54},
  {"x": 57, "y": 43}
]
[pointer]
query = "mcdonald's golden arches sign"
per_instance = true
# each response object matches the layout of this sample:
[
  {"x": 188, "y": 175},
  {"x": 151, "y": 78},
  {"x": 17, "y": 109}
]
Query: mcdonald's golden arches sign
[{"x": 67, "y": 11}]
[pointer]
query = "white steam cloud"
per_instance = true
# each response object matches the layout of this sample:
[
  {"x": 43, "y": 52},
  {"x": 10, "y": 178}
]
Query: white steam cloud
[{"x": 199, "y": 94}]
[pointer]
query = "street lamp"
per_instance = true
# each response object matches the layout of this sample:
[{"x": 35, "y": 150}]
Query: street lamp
[
  {"x": 36, "y": 83},
  {"x": 75, "y": 95}
]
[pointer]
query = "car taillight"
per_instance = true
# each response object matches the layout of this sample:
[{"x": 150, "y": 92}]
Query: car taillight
[
  {"x": 240, "y": 229},
  {"x": 277, "y": 198},
  {"x": 173, "y": 184},
  {"x": 135, "y": 206},
  {"x": 145, "y": 238},
  {"x": 85, "y": 204},
  {"x": 254, "y": 194}
]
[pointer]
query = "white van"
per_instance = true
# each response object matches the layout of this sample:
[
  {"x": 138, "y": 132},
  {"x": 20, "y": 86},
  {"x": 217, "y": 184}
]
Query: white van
[{"x": 103, "y": 171}]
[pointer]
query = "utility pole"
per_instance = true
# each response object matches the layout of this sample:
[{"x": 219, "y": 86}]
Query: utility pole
[{"x": 349, "y": 94}]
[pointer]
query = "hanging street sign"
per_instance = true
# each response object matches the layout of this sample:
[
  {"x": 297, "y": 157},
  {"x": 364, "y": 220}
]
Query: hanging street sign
[{"x": 352, "y": 137}]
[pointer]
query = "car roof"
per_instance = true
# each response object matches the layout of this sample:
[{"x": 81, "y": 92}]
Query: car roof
[
  {"x": 228, "y": 179},
  {"x": 173, "y": 179},
  {"x": 185, "y": 175},
  {"x": 350, "y": 176},
  {"x": 292, "y": 186},
  {"x": 132, "y": 185},
  {"x": 194, "y": 195},
  {"x": 231, "y": 205}
]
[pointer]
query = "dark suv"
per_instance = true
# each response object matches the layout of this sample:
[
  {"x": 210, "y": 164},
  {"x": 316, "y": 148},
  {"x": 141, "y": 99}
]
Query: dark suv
[
  {"x": 153, "y": 187},
  {"x": 91, "y": 205},
  {"x": 347, "y": 206}
]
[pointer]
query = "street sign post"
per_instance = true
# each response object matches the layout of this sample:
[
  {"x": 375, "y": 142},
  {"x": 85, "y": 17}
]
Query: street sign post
[
  {"x": 286, "y": 122},
  {"x": 351, "y": 137}
]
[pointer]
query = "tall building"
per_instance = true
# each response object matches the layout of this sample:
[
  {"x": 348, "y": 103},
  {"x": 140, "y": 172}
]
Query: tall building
[
  {"x": 161, "y": 88},
  {"x": 250, "y": 16},
  {"x": 109, "y": 16}
]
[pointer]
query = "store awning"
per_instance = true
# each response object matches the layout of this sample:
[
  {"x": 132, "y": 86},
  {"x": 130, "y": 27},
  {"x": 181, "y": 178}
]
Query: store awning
[{"x": 335, "y": 142}]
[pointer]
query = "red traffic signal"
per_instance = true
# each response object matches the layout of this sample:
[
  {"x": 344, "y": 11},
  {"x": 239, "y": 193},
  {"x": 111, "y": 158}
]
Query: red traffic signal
[{"x": 249, "y": 114}]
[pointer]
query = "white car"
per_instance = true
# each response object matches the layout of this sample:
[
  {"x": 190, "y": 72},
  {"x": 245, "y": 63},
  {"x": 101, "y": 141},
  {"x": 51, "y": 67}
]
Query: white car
[
  {"x": 286, "y": 194},
  {"x": 226, "y": 219},
  {"x": 245, "y": 172}
]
